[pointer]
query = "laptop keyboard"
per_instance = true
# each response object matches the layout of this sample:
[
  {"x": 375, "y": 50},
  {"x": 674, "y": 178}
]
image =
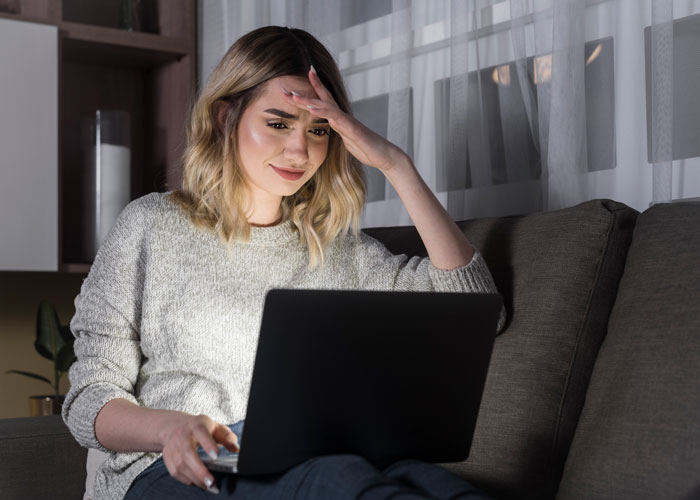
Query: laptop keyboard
[{"x": 230, "y": 460}]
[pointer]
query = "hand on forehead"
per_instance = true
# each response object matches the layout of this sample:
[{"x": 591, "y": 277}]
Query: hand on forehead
[{"x": 297, "y": 84}]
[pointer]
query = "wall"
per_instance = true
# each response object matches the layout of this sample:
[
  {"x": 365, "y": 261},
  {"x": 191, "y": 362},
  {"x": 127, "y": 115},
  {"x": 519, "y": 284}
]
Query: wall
[{"x": 20, "y": 294}]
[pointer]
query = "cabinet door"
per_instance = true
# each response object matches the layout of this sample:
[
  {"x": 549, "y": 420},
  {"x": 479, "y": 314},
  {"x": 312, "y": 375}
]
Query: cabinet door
[{"x": 28, "y": 146}]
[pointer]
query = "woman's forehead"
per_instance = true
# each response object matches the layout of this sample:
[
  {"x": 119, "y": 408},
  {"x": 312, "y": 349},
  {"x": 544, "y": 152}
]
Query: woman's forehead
[{"x": 301, "y": 85}]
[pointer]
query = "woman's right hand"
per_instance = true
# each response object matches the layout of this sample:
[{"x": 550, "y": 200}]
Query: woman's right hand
[{"x": 182, "y": 436}]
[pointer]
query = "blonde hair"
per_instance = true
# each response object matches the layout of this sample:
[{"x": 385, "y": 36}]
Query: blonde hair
[{"x": 328, "y": 205}]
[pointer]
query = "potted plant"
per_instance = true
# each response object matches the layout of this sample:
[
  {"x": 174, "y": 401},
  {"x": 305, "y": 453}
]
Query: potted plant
[{"x": 54, "y": 342}]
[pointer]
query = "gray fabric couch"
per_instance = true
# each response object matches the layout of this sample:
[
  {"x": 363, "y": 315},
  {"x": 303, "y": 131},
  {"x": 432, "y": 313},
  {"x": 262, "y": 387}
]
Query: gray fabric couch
[{"x": 594, "y": 386}]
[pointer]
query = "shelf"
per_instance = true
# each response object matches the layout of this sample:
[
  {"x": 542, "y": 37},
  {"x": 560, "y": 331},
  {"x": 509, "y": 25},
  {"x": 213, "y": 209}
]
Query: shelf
[
  {"x": 150, "y": 73},
  {"x": 76, "y": 268},
  {"x": 27, "y": 19},
  {"x": 111, "y": 46}
]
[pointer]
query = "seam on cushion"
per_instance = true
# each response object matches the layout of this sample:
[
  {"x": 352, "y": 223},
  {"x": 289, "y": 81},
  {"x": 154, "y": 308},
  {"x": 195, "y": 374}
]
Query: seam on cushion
[
  {"x": 575, "y": 355},
  {"x": 67, "y": 434}
]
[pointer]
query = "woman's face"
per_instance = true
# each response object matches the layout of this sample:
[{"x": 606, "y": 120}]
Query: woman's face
[{"x": 280, "y": 147}]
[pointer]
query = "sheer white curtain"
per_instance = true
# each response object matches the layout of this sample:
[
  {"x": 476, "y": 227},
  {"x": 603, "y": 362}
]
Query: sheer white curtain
[{"x": 508, "y": 106}]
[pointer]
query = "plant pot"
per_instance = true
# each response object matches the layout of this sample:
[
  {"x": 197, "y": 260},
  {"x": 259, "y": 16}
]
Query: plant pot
[{"x": 45, "y": 405}]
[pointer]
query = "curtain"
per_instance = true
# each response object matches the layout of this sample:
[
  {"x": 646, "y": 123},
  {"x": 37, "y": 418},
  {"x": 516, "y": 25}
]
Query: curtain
[{"x": 508, "y": 106}]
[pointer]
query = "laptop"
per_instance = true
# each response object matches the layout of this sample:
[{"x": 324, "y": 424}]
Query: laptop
[{"x": 383, "y": 375}]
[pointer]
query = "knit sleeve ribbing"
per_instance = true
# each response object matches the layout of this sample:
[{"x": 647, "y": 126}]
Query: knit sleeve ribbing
[
  {"x": 379, "y": 269},
  {"x": 106, "y": 327}
]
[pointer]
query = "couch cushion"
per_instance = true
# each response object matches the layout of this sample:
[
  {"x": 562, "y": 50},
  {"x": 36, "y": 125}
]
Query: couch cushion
[
  {"x": 639, "y": 435},
  {"x": 39, "y": 458},
  {"x": 95, "y": 458},
  {"x": 558, "y": 273}
]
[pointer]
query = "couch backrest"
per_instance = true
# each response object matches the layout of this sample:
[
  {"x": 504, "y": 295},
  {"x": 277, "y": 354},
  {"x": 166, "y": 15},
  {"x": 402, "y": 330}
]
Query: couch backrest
[
  {"x": 639, "y": 433},
  {"x": 39, "y": 458},
  {"x": 558, "y": 272}
]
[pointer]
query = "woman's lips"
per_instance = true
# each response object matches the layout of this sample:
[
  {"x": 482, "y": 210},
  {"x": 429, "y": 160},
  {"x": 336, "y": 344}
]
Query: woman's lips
[{"x": 290, "y": 175}]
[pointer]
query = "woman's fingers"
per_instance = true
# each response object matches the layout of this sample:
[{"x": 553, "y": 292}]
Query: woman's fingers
[
  {"x": 325, "y": 101},
  {"x": 205, "y": 439},
  {"x": 180, "y": 451},
  {"x": 361, "y": 142},
  {"x": 186, "y": 467},
  {"x": 318, "y": 86},
  {"x": 304, "y": 102},
  {"x": 198, "y": 471},
  {"x": 227, "y": 437},
  {"x": 322, "y": 109},
  {"x": 340, "y": 122}
]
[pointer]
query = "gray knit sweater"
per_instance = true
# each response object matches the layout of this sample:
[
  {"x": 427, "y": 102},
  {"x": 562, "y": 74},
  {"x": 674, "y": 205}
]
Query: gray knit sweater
[{"x": 168, "y": 319}]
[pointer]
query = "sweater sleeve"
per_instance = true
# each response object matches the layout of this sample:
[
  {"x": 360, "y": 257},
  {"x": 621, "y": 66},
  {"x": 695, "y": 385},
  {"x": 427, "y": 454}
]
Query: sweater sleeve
[
  {"x": 379, "y": 269},
  {"x": 106, "y": 328}
]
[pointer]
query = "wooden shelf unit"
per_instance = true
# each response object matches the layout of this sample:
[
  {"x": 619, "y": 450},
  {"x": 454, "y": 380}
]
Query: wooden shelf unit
[
  {"x": 112, "y": 46},
  {"x": 150, "y": 75}
]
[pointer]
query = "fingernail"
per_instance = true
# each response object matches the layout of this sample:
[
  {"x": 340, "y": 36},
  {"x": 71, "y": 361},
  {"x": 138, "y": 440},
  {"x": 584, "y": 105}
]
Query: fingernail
[
  {"x": 213, "y": 454},
  {"x": 309, "y": 106},
  {"x": 286, "y": 91},
  {"x": 296, "y": 94},
  {"x": 211, "y": 487},
  {"x": 313, "y": 70}
]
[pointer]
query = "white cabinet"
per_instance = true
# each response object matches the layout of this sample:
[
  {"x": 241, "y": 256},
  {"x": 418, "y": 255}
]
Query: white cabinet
[{"x": 28, "y": 146}]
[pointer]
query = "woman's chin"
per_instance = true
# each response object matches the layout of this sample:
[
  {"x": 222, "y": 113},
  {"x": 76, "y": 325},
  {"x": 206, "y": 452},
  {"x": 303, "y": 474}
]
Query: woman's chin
[
  {"x": 290, "y": 188},
  {"x": 289, "y": 191}
]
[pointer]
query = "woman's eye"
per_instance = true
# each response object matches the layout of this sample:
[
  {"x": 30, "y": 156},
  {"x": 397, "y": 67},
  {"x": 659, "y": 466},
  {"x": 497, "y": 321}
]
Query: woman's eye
[{"x": 319, "y": 132}]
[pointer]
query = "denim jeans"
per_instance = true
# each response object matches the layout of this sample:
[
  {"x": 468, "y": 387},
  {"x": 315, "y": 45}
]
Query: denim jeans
[{"x": 333, "y": 477}]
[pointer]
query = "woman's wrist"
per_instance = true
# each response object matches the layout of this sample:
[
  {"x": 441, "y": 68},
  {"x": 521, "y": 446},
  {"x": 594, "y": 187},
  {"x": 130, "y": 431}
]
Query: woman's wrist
[
  {"x": 401, "y": 165},
  {"x": 448, "y": 248},
  {"x": 165, "y": 422},
  {"x": 124, "y": 426}
]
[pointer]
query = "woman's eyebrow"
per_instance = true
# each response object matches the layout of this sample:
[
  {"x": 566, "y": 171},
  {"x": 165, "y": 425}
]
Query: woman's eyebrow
[{"x": 284, "y": 114}]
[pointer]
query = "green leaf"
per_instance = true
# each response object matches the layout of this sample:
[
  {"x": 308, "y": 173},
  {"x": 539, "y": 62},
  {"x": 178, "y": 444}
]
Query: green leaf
[
  {"x": 43, "y": 350},
  {"x": 65, "y": 358},
  {"x": 48, "y": 336},
  {"x": 31, "y": 375},
  {"x": 67, "y": 334}
]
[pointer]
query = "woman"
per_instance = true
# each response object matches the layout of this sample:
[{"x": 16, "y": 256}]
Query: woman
[{"x": 166, "y": 322}]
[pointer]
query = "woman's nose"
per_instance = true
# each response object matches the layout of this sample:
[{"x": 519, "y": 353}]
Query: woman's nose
[{"x": 297, "y": 148}]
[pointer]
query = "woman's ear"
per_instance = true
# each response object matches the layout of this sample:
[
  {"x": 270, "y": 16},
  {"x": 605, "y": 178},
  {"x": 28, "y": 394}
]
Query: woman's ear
[{"x": 220, "y": 110}]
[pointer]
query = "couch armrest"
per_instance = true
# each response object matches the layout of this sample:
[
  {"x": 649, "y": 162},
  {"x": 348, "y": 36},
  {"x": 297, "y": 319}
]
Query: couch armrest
[{"x": 39, "y": 458}]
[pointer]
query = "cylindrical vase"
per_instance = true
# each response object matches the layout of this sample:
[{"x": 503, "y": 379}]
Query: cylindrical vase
[{"x": 107, "y": 176}]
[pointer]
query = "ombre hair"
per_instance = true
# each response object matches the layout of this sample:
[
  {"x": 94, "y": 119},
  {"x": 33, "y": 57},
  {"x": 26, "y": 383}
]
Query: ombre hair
[{"x": 213, "y": 186}]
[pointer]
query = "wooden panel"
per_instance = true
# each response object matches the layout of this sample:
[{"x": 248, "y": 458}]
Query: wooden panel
[
  {"x": 178, "y": 18},
  {"x": 99, "y": 45},
  {"x": 44, "y": 9},
  {"x": 173, "y": 92},
  {"x": 100, "y": 13},
  {"x": 107, "y": 13},
  {"x": 29, "y": 145},
  {"x": 85, "y": 89}
]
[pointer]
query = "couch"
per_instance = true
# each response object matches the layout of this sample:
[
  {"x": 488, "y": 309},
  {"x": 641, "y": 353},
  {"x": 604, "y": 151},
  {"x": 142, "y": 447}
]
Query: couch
[{"x": 593, "y": 390}]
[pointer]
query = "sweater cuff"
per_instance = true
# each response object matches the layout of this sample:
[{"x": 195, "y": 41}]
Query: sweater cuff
[
  {"x": 473, "y": 277},
  {"x": 82, "y": 412}
]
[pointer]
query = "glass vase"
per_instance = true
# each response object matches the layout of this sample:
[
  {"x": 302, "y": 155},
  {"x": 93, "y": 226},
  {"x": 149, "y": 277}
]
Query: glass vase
[{"x": 107, "y": 176}]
